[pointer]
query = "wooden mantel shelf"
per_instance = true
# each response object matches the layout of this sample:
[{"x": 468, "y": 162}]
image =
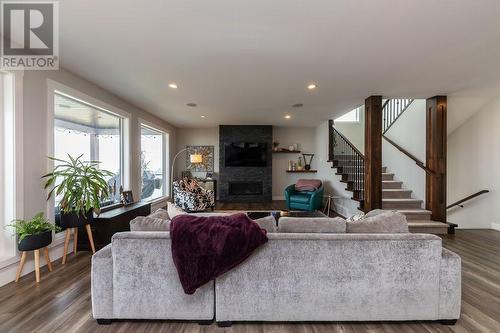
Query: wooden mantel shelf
[
  {"x": 286, "y": 151},
  {"x": 301, "y": 171}
]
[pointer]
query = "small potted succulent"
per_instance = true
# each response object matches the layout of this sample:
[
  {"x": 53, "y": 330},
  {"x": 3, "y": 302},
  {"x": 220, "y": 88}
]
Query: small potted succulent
[
  {"x": 81, "y": 185},
  {"x": 33, "y": 234}
]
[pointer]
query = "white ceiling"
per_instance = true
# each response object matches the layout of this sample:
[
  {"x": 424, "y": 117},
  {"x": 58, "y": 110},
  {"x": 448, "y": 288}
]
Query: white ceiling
[{"x": 248, "y": 61}]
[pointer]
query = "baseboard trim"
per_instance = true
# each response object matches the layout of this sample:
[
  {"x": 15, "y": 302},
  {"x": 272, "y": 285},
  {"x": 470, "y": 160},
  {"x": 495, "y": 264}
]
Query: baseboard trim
[{"x": 495, "y": 226}]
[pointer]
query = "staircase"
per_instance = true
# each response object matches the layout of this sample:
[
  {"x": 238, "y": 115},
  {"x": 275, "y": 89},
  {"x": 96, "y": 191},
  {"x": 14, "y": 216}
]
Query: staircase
[
  {"x": 394, "y": 195},
  {"x": 349, "y": 164}
]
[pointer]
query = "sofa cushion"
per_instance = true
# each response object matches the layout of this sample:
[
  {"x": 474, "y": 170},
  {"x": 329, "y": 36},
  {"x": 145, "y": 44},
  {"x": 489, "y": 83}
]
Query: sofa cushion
[
  {"x": 384, "y": 223},
  {"x": 303, "y": 197},
  {"x": 160, "y": 213},
  {"x": 267, "y": 223},
  {"x": 312, "y": 225},
  {"x": 173, "y": 210},
  {"x": 147, "y": 223}
]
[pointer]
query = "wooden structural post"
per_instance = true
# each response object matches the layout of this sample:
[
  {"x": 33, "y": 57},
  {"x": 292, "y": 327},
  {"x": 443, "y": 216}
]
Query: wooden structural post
[
  {"x": 435, "y": 200},
  {"x": 373, "y": 153}
]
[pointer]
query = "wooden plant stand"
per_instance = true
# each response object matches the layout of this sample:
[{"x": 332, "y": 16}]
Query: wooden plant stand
[
  {"x": 37, "y": 263},
  {"x": 75, "y": 241}
]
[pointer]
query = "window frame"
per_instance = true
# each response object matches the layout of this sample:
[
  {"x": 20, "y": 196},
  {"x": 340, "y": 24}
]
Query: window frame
[
  {"x": 166, "y": 158},
  {"x": 16, "y": 151},
  {"x": 53, "y": 88},
  {"x": 357, "y": 110}
]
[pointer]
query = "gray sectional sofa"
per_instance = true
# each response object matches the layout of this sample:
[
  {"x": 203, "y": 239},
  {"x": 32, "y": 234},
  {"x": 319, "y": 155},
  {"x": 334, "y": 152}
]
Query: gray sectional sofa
[{"x": 326, "y": 276}]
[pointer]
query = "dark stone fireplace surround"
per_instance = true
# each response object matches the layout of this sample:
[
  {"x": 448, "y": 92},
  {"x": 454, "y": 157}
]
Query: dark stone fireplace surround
[{"x": 245, "y": 184}]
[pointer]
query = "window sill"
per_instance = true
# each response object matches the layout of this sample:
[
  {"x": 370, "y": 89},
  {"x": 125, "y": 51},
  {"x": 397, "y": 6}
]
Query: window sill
[{"x": 159, "y": 200}]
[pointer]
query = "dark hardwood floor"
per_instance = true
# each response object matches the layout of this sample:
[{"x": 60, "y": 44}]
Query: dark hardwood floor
[
  {"x": 61, "y": 302},
  {"x": 273, "y": 205}
]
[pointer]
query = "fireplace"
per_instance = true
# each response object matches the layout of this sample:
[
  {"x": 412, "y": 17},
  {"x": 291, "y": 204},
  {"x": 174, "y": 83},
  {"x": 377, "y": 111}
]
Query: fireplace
[
  {"x": 245, "y": 188},
  {"x": 245, "y": 174}
]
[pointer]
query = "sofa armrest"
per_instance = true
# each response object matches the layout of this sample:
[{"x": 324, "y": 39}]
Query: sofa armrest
[
  {"x": 102, "y": 283},
  {"x": 450, "y": 285},
  {"x": 317, "y": 198},
  {"x": 289, "y": 190}
]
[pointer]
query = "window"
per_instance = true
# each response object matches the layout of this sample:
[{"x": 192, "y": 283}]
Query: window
[
  {"x": 7, "y": 166},
  {"x": 84, "y": 129},
  {"x": 153, "y": 163},
  {"x": 350, "y": 117}
]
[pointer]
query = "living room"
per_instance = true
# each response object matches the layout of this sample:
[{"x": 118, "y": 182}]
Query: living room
[{"x": 251, "y": 166}]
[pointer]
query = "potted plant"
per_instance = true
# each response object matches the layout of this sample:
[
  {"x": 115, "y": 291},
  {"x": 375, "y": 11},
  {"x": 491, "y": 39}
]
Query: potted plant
[
  {"x": 82, "y": 187},
  {"x": 33, "y": 234}
]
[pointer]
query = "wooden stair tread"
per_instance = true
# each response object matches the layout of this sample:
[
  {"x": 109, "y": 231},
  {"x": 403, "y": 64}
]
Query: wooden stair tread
[
  {"x": 401, "y": 200},
  {"x": 428, "y": 227},
  {"x": 414, "y": 211},
  {"x": 396, "y": 190},
  {"x": 427, "y": 223}
]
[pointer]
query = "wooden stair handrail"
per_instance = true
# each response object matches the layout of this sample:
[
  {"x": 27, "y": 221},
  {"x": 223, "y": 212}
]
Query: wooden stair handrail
[
  {"x": 349, "y": 143},
  {"x": 472, "y": 196},
  {"x": 404, "y": 151}
]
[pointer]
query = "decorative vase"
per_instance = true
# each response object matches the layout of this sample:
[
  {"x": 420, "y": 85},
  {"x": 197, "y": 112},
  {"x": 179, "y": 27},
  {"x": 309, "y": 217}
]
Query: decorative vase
[
  {"x": 299, "y": 164},
  {"x": 308, "y": 163}
]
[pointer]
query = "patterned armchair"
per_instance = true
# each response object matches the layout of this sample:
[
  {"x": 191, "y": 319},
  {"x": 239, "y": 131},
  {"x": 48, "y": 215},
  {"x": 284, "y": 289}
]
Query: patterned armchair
[{"x": 191, "y": 197}]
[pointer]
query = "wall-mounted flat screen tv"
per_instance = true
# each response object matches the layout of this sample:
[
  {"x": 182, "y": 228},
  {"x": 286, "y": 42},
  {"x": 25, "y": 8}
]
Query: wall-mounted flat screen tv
[{"x": 245, "y": 154}]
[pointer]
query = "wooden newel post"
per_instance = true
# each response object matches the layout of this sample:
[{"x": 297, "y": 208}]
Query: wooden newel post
[
  {"x": 373, "y": 153},
  {"x": 436, "y": 141}
]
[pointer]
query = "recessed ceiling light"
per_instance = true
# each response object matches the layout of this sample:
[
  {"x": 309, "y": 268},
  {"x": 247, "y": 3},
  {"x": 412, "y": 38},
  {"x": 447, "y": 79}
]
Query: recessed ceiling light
[
  {"x": 287, "y": 116},
  {"x": 173, "y": 85},
  {"x": 203, "y": 116},
  {"x": 298, "y": 105},
  {"x": 312, "y": 86},
  {"x": 193, "y": 105}
]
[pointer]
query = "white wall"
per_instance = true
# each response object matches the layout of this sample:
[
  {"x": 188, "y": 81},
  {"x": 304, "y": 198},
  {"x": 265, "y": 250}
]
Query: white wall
[
  {"x": 473, "y": 160},
  {"x": 409, "y": 132},
  {"x": 304, "y": 137},
  {"x": 355, "y": 131},
  {"x": 36, "y": 136}
]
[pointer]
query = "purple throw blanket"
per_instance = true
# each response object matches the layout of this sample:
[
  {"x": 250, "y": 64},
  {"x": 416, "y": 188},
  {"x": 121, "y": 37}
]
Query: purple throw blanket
[{"x": 204, "y": 248}]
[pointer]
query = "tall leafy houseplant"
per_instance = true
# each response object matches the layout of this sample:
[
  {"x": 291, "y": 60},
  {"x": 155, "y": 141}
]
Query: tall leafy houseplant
[{"x": 82, "y": 187}]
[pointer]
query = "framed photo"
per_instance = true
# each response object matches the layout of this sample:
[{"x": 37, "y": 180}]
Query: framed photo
[{"x": 127, "y": 197}]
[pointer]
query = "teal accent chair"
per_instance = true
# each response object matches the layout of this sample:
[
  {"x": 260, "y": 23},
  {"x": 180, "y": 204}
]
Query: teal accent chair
[{"x": 304, "y": 200}]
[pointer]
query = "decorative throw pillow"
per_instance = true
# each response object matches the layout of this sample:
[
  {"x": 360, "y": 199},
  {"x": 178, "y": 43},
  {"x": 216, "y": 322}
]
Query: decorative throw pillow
[
  {"x": 173, "y": 210},
  {"x": 160, "y": 213},
  {"x": 146, "y": 223},
  {"x": 327, "y": 225},
  {"x": 376, "y": 212},
  {"x": 384, "y": 223},
  {"x": 357, "y": 217},
  {"x": 267, "y": 223}
]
